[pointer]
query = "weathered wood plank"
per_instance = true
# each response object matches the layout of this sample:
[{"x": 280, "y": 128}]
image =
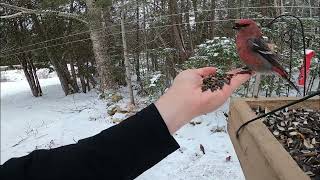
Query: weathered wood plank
[
  {"x": 272, "y": 103},
  {"x": 261, "y": 155}
]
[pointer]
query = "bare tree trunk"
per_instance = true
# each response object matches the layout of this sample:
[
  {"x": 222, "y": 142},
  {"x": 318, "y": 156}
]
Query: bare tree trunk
[
  {"x": 31, "y": 75},
  {"x": 63, "y": 67},
  {"x": 310, "y": 84},
  {"x": 189, "y": 30},
  {"x": 81, "y": 76},
  {"x": 310, "y": 9},
  {"x": 196, "y": 19},
  {"x": 178, "y": 38},
  {"x": 247, "y": 85},
  {"x": 34, "y": 69},
  {"x": 282, "y": 7},
  {"x": 256, "y": 85},
  {"x": 126, "y": 60},
  {"x": 137, "y": 61},
  {"x": 87, "y": 76},
  {"x": 27, "y": 64},
  {"x": 145, "y": 36},
  {"x": 264, "y": 11},
  {"x": 169, "y": 61},
  {"x": 60, "y": 67},
  {"x": 213, "y": 17},
  {"x": 275, "y": 4},
  {"x": 73, "y": 73},
  {"x": 100, "y": 47}
]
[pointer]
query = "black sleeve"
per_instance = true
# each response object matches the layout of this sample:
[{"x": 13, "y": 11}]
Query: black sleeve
[{"x": 123, "y": 151}]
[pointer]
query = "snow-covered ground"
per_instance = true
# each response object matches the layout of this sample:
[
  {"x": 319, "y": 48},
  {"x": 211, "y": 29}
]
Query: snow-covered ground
[{"x": 53, "y": 120}]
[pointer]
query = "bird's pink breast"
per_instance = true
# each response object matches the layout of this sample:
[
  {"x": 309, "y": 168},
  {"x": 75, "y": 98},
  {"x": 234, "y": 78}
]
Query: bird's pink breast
[
  {"x": 245, "y": 53},
  {"x": 251, "y": 59}
]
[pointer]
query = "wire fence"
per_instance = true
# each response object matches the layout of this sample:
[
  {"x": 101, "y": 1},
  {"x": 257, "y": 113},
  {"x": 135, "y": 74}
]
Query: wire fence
[
  {"x": 128, "y": 32},
  {"x": 169, "y": 15}
]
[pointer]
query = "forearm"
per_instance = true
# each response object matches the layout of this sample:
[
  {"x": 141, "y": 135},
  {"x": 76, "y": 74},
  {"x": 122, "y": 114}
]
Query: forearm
[{"x": 123, "y": 151}]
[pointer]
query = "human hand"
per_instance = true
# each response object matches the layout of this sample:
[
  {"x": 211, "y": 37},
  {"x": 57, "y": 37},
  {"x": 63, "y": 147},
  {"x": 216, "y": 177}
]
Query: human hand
[{"x": 185, "y": 100}]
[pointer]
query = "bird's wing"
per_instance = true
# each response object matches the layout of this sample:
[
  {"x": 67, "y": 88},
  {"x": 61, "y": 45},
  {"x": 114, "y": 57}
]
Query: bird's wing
[{"x": 258, "y": 45}]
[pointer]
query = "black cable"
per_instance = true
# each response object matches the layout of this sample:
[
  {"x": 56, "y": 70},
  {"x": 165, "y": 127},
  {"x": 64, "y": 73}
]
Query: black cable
[
  {"x": 304, "y": 46},
  {"x": 278, "y": 109}
]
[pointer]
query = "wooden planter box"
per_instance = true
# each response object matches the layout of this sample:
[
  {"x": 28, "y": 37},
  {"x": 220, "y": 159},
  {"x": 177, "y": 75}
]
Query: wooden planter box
[{"x": 260, "y": 154}]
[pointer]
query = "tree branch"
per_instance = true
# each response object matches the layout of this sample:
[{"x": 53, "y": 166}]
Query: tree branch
[
  {"x": 32, "y": 11},
  {"x": 12, "y": 15}
]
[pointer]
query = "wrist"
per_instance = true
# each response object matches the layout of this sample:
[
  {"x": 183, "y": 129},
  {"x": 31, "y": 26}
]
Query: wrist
[{"x": 174, "y": 112}]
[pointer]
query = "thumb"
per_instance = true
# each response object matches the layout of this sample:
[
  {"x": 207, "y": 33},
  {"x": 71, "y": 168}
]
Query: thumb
[{"x": 238, "y": 79}]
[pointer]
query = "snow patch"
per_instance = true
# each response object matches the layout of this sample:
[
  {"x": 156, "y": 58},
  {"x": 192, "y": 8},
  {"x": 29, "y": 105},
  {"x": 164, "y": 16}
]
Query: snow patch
[
  {"x": 154, "y": 79},
  {"x": 53, "y": 120}
]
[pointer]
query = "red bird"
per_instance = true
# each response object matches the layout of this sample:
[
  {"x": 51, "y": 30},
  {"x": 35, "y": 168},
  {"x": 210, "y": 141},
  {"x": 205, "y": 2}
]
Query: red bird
[{"x": 254, "y": 51}]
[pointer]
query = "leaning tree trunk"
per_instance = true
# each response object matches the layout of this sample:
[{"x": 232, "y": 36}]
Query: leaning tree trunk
[
  {"x": 31, "y": 75},
  {"x": 100, "y": 47},
  {"x": 27, "y": 64},
  {"x": 60, "y": 67}
]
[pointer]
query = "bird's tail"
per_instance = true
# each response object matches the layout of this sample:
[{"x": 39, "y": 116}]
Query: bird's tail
[
  {"x": 291, "y": 83},
  {"x": 285, "y": 76}
]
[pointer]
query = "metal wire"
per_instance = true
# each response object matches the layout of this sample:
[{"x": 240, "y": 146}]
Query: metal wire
[
  {"x": 142, "y": 29},
  {"x": 159, "y": 17},
  {"x": 304, "y": 45}
]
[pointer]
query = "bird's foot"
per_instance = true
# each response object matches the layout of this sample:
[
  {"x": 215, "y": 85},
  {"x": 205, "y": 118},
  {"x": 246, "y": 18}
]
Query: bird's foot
[{"x": 245, "y": 72}]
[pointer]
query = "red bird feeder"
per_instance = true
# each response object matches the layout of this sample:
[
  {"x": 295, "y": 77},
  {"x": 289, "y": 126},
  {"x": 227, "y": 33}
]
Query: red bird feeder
[{"x": 309, "y": 55}]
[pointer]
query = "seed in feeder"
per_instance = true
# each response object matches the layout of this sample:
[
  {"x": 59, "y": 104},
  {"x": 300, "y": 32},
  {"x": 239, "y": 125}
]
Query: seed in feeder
[
  {"x": 305, "y": 151},
  {"x": 291, "y": 128},
  {"x": 305, "y": 130},
  {"x": 307, "y": 144},
  {"x": 280, "y": 128},
  {"x": 295, "y": 123},
  {"x": 276, "y": 133},
  {"x": 300, "y": 138},
  {"x": 309, "y": 173},
  {"x": 293, "y": 133}
]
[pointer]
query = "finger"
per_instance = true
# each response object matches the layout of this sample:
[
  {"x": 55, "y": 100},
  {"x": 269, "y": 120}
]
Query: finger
[
  {"x": 238, "y": 80},
  {"x": 206, "y": 71}
]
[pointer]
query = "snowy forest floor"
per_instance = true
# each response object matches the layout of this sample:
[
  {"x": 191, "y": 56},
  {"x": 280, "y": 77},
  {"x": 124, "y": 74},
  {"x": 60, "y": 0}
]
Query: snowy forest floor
[{"x": 53, "y": 120}]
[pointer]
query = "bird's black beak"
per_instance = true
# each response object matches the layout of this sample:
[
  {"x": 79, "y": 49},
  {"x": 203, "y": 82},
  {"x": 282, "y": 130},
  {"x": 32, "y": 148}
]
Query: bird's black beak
[{"x": 236, "y": 26}]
